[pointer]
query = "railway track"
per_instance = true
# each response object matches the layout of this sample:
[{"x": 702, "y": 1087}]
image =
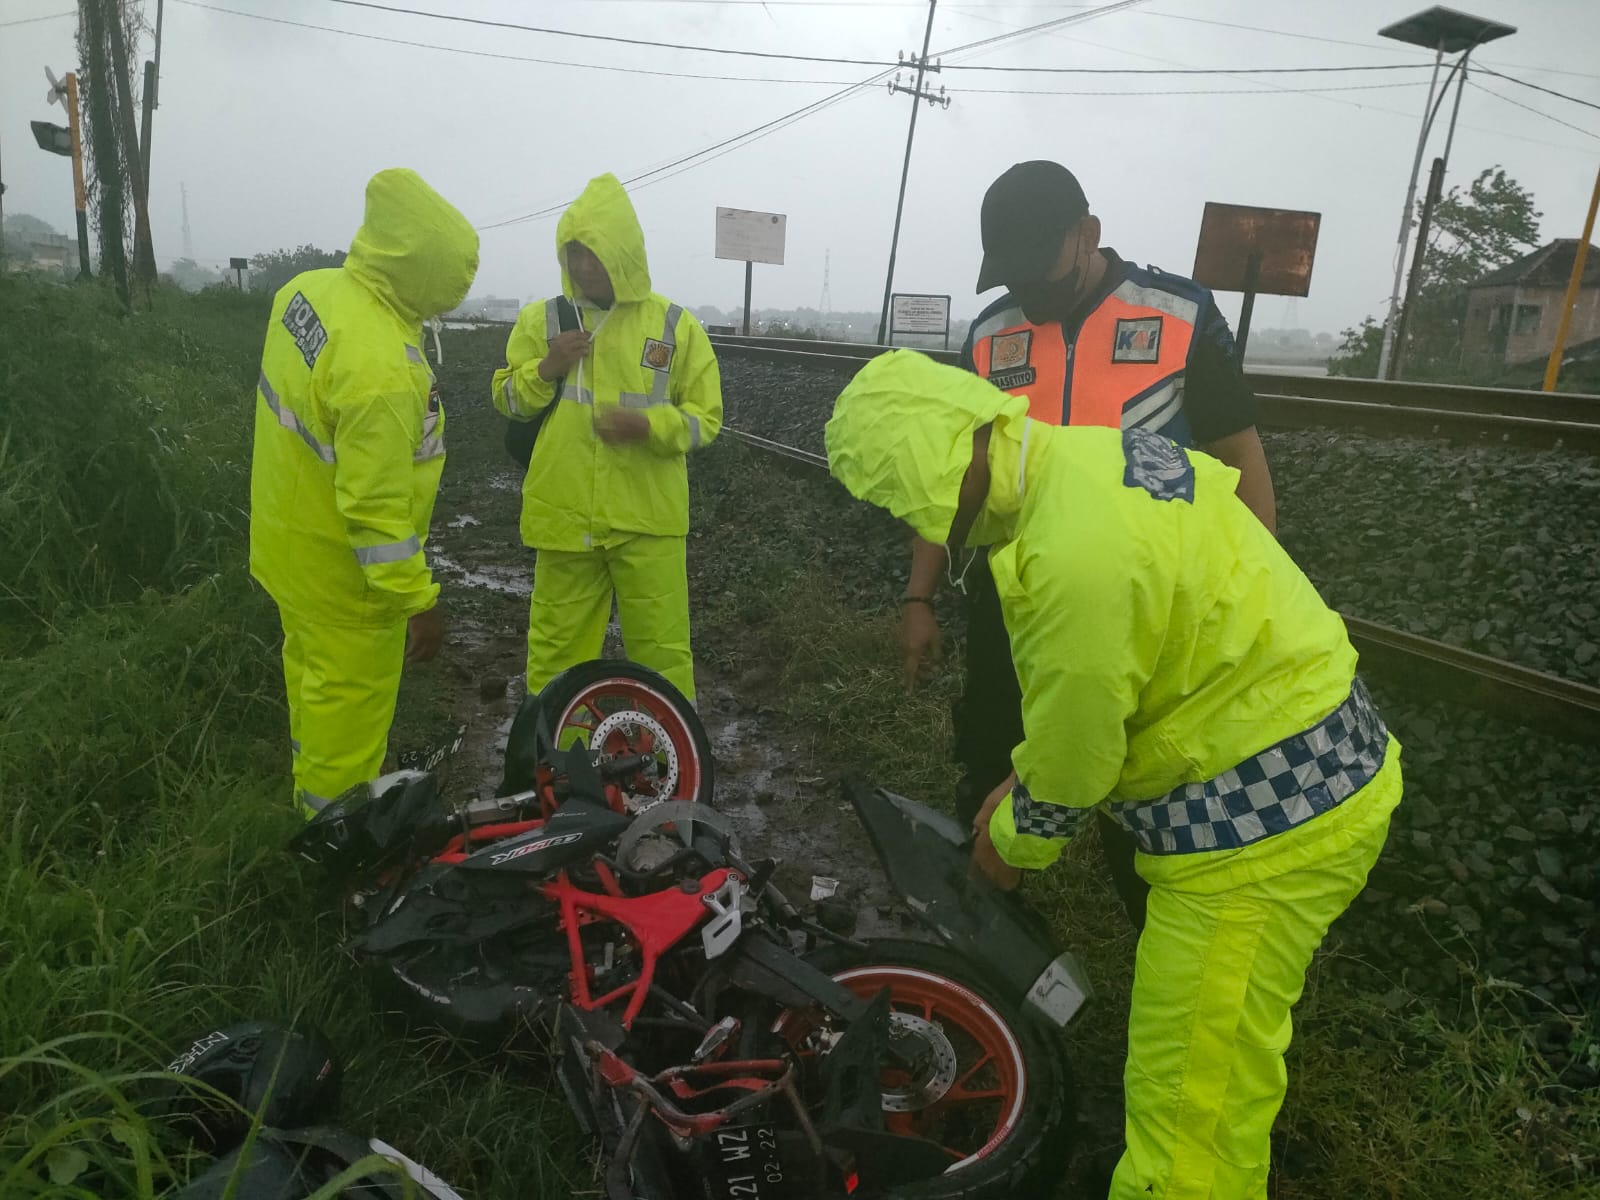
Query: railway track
[
  {"x": 1559, "y": 707},
  {"x": 1499, "y": 415}
]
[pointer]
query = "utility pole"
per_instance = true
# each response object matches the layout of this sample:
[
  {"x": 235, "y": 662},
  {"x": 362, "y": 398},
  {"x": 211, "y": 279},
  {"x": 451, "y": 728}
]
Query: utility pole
[
  {"x": 144, "y": 258},
  {"x": 152, "y": 99},
  {"x": 1430, "y": 200},
  {"x": 1552, "y": 368},
  {"x": 825, "y": 305},
  {"x": 80, "y": 195},
  {"x": 916, "y": 93}
]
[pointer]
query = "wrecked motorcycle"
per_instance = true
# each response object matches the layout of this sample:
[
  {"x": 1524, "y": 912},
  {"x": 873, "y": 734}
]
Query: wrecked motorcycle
[{"x": 716, "y": 1041}]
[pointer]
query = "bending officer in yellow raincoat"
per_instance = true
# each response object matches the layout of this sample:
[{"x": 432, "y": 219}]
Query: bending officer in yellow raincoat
[
  {"x": 349, "y": 448},
  {"x": 625, "y": 397},
  {"x": 1178, "y": 668}
]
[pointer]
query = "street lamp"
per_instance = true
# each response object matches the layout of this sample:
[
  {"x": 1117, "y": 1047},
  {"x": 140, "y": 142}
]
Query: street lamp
[{"x": 1444, "y": 31}]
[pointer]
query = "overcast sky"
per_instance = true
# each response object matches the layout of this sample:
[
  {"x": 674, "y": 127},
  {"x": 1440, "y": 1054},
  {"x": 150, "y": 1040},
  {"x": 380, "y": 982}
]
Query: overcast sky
[{"x": 275, "y": 128}]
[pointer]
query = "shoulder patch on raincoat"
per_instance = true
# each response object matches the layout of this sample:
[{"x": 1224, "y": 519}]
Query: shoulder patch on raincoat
[{"x": 1158, "y": 465}]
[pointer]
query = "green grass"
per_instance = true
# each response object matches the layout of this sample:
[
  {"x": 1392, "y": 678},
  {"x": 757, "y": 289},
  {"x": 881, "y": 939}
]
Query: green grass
[{"x": 145, "y": 897}]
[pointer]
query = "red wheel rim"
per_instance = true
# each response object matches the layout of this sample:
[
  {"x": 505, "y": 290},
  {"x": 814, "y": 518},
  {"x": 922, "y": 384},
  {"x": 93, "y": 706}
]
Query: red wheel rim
[
  {"x": 611, "y": 698},
  {"x": 982, "y": 1104}
]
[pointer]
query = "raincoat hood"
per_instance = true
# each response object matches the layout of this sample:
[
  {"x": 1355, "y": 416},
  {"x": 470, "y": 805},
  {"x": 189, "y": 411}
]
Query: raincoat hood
[
  {"x": 414, "y": 249},
  {"x": 901, "y": 437},
  {"x": 603, "y": 220}
]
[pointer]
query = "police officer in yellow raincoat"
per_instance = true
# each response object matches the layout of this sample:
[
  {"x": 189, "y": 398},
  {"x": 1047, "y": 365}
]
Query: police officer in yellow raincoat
[
  {"x": 623, "y": 398},
  {"x": 1178, "y": 669},
  {"x": 349, "y": 448}
]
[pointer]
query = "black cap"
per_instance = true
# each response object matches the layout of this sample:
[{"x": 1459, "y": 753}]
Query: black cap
[{"x": 1026, "y": 213}]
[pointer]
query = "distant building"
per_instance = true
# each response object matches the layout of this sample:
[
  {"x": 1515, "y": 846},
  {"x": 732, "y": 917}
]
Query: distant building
[
  {"x": 1513, "y": 312},
  {"x": 52, "y": 252}
]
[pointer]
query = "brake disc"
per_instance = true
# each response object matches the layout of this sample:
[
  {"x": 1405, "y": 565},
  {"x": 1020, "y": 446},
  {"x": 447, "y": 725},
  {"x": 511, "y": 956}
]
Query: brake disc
[
  {"x": 628, "y": 723},
  {"x": 939, "y": 1070}
]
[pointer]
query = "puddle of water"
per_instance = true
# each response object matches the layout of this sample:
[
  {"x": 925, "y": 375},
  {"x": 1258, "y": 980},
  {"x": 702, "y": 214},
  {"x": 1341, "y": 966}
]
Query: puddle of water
[{"x": 492, "y": 577}]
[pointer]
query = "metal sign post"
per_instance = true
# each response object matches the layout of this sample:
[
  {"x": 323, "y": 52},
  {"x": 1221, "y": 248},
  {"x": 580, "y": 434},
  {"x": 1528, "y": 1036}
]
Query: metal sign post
[
  {"x": 910, "y": 313},
  {"x": 750, "y": 237},
  {"x": 1256, "y": 251},
  {"x": 239, "y": 266}
]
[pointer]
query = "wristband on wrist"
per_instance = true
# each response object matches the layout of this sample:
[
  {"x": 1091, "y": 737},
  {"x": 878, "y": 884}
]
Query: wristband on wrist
[{"x": 905, "y": 600}]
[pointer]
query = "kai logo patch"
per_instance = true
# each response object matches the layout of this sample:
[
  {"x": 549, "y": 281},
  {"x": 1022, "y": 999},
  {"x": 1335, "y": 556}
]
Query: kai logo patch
[
  {"x": 1009, "y": 351},
  {"x": 1137, "y": 340},
  {"x": 657, "y": 355}
]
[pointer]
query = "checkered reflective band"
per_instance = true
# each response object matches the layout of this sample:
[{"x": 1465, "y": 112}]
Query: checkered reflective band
[
  {"x": 1036, "y": 818},
  {"x": 1285, "y": 785}
]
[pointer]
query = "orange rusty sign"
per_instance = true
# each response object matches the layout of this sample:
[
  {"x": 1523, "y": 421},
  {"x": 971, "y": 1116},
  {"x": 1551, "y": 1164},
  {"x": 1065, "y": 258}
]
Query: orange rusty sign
[{"x": 1231, "y": 234}]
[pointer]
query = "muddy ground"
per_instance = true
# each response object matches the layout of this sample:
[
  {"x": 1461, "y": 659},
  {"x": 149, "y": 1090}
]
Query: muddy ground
[{"x": 785, "y": 802}]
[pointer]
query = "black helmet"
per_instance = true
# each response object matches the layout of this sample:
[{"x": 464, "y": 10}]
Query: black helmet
[
  {"x": 289, "y": 1077},
  {"x": 293, "y": 1164}
]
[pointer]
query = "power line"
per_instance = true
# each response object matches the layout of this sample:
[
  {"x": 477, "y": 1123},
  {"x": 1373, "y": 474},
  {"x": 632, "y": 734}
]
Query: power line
[
  {"x": 489, "y": 54},
  {"x": 33, "y": 20},
  {"x": 710, "y": 153},
  {"x": 1313, "y": 91},
  {"x": 1536, "y": 111},
  {"x": 1538, "y": 88},
  {"x": 615, "y": 38},
  {"x": 1312, "y": 37},
  {"x": 1104, "y": 10},
  {"x": 1188, "y": 70}
]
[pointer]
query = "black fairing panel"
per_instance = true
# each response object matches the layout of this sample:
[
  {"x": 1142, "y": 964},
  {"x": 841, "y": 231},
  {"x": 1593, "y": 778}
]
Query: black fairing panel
[
  {"x": 928, "y": 860},
  {"x": 576, "y": 831}
]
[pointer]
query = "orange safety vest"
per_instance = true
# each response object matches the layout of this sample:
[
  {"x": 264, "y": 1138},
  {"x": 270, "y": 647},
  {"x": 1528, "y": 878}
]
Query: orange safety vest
[{"x": 1122, "y": 367}]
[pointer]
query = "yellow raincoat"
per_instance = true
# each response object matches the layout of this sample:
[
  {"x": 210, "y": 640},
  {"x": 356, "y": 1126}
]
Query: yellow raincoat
[
  {"x": 611, "y": 518},
  {"x": 349, "y": 449},
  {"x": 1178, "y": 666}
]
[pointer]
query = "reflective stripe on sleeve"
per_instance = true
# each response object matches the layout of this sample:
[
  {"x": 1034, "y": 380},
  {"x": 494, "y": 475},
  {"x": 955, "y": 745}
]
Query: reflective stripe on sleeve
[
  {"x": 415, "y": 355},
  {"x": 388, "y": 552},
  {"x": 694, "y": 431},
  {"x": 552, "y": 320},
  {"x": 292, "y": 423}
]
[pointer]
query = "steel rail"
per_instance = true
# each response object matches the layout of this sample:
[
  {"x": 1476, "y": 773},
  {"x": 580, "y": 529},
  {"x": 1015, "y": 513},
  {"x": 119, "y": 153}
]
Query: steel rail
[
  {"x": 1553, "y": 705},
  {"x": 1493, "y": 415}
]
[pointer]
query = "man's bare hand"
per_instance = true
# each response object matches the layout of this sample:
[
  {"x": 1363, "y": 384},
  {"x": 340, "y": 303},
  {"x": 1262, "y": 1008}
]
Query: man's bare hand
[
  {"x": 425, "y": 635},
  {"x": 986, "y": 859},
  {"x": 920, "y": 640},
  {"x": 566, "y": 350},
  {"x": 620, "y": 426}
]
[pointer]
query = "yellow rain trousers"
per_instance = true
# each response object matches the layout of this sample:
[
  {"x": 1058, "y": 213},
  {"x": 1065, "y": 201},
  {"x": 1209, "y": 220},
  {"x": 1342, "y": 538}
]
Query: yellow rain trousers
[
  {"x": 611, "y": 519},
  {"x": 349, "y": 449},
  {"x": 1177, "y": 667}
]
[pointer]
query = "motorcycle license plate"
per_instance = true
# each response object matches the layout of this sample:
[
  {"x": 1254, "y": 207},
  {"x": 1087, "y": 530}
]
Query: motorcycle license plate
[{"x": 745, "y": 1162}]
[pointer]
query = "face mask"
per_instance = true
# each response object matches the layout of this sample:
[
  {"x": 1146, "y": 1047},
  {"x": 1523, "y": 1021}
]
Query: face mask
[{"x": 1049, "y": 299}]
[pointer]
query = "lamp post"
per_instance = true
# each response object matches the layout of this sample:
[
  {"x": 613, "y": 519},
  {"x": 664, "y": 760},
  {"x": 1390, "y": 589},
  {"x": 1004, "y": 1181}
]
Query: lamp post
[{"x": 1444, "y": 31}]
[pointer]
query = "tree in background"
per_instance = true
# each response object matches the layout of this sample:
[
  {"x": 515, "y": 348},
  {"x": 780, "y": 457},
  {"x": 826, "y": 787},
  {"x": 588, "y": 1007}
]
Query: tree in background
[
  {"x": 105, "y": 154},
  {"x": 270, "y": 271},
  {"x": 1490, "y": 224}
]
